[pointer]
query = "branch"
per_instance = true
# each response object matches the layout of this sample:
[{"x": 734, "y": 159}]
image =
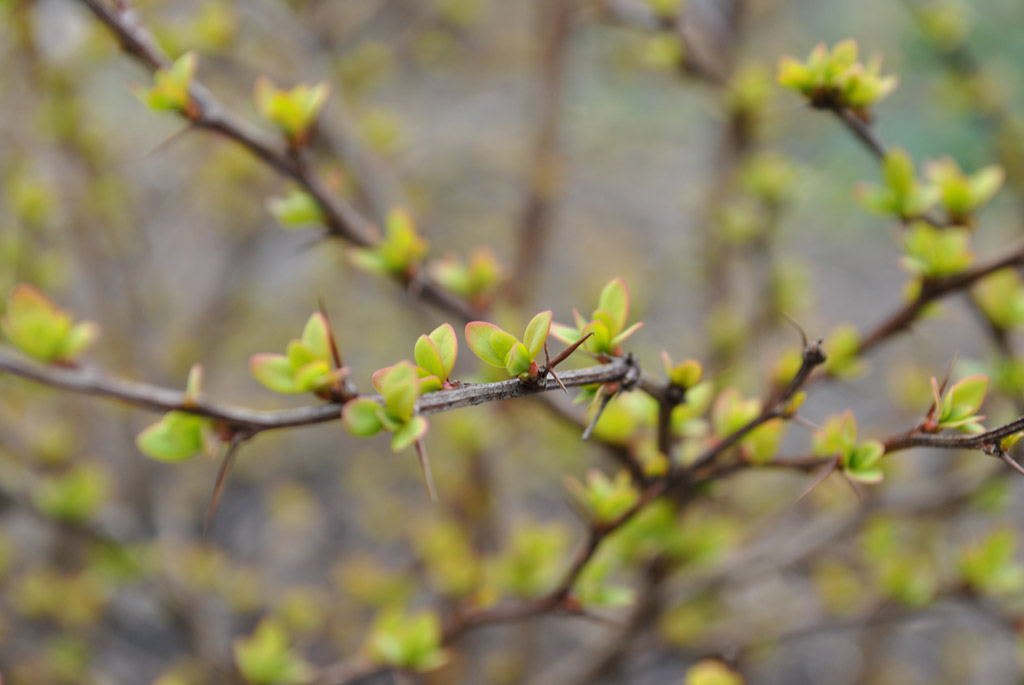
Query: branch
[
  {"x": 155, "y": 398},
  {"x": 342, "y": 219},
  {"x": 932, "y": 290},
  {"x": 774, "y": 408}
]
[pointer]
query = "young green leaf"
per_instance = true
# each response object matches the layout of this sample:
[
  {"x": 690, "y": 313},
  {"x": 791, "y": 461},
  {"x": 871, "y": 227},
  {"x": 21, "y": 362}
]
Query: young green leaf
[{"x": 537, "y": 333}]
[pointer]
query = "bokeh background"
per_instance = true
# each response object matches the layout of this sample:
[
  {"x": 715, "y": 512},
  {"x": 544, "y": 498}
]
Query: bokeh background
[{"x": 460, "y": 110}]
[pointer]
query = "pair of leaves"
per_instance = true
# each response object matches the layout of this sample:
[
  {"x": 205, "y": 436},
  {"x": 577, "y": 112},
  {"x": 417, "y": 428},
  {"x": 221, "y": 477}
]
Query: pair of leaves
[
  {"x": 902, "y": 195},
  {"x": 435, "y": 356},
  {"x": 836, "y": 79},
  {"x": 37, "y": 327},
  {"x": 180, "y": 435},
  {"x": 962, "y": 195},
  {"x": 306, "y": 365},
  {"x": 685, "y": 374},
  {"x": 296, "y": 209},
  {"x": 399, "y": 386},
  {"x": 477, "y": 279},
  {"x": 293, "y": 111},
  {"x": 499, "y": 348},
  {"x": 607, "y": 324},
  {"x": 989, "y": 566},
  {"x": 171, "y": 87},
  {"x": 604, "y": 499},
  {"x": 410, "y": 641},
  {"x": 933, "y": 252},
  {"x": 266, "y": 658},
  {"x": 958, "y": 406},
  {"x": 859, "y": 461},
  {"x": 398, "y": 253}
]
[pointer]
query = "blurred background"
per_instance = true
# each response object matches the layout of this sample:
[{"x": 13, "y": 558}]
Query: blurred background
[{"x": 580, "y": 140}]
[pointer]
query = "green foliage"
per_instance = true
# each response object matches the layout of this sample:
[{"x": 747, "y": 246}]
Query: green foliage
[
  {"x": 296, "y": 209},
  {"x": 435, "y": 356},
  {"x": 74, "y": 496},
  {"x": 306, "y": 366},
  {"x": 685, "y": 374},
  {"x": 958, "y": 407},
  {"x": 1001, "y": 298},
  {"x": 908, "y": 579},
  {"x": 902, "y": 195},
  {"x": 731, "y": 413},
  {"x": 933, "y": 252},
  {"x": 409, "y": 641},
  {"x": 593, "y": 590},
  {"x": 532, "y": 562},
  {"x": 399, "y": 386},
  {"x": 35, "y": 325},
  {"x": 178, "y": 436},
  {"x": 989, "y": 567},
  {"x": 836, "y": 79},
  {"x": 265, "y": 658},
  {"x": 607, "y": 324},
  {"x": 961, "y": 195},
  {"x": 859, "y": 461},
  {"x": 477, "y": 280},
  {"x": 450, "y": 563},
  {"x": 502, "y": 349},
  {"x": 712, "y": 672},
  {"x": 842, "y": 346},
  {"x": 603, "y": 498},
  {"x": 171, "y": 90},
  {"x": 398, "y": 253},
  {"x": 770, "y": 177},
  {"x": 293, "y": 111}
]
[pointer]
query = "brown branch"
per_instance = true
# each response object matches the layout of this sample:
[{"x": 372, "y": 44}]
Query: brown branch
[
  {"x": 89, "y": 381},
  {"x": 546, "y": 166},
  {"x": 774, "y": 408},
  {"x": 341, "y": 218},
  {"x": 932, "y": 290}
]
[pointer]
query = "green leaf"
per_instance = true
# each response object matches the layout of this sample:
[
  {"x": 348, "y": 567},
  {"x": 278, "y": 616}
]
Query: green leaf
[
  {"x": 621, "y": 337},
  {"x": 502, "y": 343},
  {"x": 266, "y": 659},
  {"x": 296, "y": 209},
  {"x": 176, "y": 437},
  {"x": 359, "y": 417},
  {"x": 427, "y": 356},
  {"x": 537, "y": 333},
  {"x": 447, "y": 345},
  {"x": 565, "y": 334},
  {"x": 400, "y": 388},
  {"x": 274, "y": 371},
  {"x": 38, "y": 328},
  {"x": 314, "y": 376},
  {"x": 614, "y": 298},
  {"x": 518, "y": 360},
  {"x": 985, "y": 183},
  {"x": 970, "y": 392},
  {"x": 899, "y": 173},
  {"x": 414, "y": 429},
  {"x": 316, "y": 337},
  {"x": 478, "y": 337}
]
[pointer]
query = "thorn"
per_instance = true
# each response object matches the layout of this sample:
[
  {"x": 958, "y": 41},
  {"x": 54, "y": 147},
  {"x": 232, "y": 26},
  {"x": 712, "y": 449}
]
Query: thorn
[
  {"x": 548, "y": 369},
  {"x": 852, "y": 486},
  {"x": 222, "y": 479},
  {"x": 421, "y": 452},
  {"x": 330, "y": 333},
  {"x": 800, "y": 329},
  {"x": 1010, "y": 461},
  {"x": 600, "y": 410},
  {"x": 567, "y": 351},
  {"x": 819, "y": 479},
  {"x": 167, "y": 142}
]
